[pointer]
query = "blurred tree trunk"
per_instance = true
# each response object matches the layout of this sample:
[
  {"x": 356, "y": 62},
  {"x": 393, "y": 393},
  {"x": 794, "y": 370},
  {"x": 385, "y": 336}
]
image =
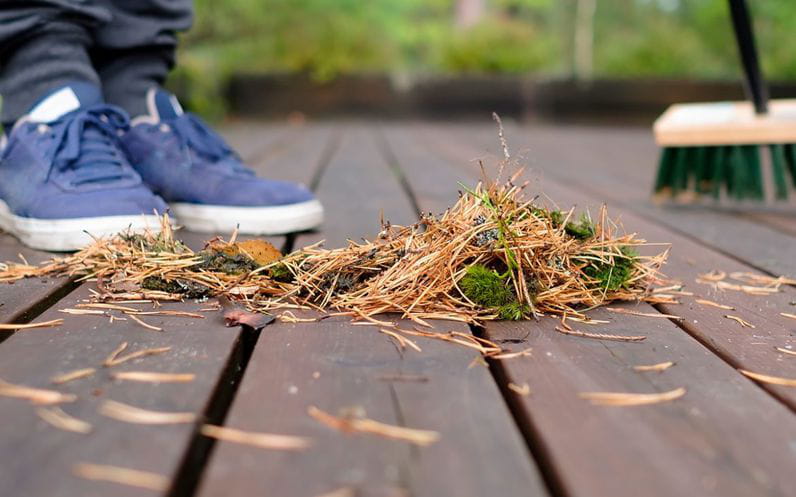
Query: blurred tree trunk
[
  {"x": 469, "y": 12},
  {"x": 584, "y": 40}
]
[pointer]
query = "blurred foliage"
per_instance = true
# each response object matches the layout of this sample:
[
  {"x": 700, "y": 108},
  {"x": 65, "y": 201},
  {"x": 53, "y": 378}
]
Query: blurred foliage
[{"x": 326, "y": 38}]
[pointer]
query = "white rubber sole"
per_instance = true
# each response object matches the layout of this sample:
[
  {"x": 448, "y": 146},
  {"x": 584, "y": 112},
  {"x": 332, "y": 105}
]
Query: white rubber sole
[
  {"x": 65, "y": 235},
  {"x": 276, "y": 220}
]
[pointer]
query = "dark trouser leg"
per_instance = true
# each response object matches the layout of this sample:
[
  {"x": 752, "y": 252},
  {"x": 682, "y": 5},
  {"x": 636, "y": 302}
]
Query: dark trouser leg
[
  {"x": 135, "y": 50},
  {"x": 43, "y": 45}
]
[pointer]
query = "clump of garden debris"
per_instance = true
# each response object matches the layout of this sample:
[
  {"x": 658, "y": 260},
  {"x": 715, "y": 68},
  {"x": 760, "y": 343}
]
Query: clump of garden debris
[{"x": 492, "y": 255}]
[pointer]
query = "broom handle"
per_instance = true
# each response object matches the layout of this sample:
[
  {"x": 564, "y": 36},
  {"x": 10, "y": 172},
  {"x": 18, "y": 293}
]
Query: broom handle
[{"x": 755, "y": 86}]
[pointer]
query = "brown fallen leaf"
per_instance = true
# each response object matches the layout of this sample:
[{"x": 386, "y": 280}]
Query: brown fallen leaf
[
  {"x": 56, "y": 417},
  {"x": 714, "y": 304},
  {"x": 72, "y": 375},
  {"x": 235, "y": 316},
  {"x": 365, "y": 425},
  {"x": 152, "y": 377},
  {"x": 35, "y": 395},
  {"x": 132, "y": 414},
  {"x": 601, "y": 336},
  {"x": 256, "y": 439},
  {"x": 661, "y": 366},
  {"x": 122, "y": 476},
  {"x": 773, "y": 380},
  {"x": 742, "y": 322},
  {"x": 621, "y": 399},
  {"x": 620, "y": 310},
  {"x": 30, "y": 326}
]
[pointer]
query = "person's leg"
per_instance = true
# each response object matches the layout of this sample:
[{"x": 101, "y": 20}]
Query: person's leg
[
  {"x": 135, "y": 50},
  {"x": 44, "y": 45}
]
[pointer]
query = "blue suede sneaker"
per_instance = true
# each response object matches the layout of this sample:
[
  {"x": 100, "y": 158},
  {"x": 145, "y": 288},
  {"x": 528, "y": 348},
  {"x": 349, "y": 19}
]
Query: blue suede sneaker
[
  {"x": 206, "y": 184},
  {"x": 64, "y": 178}
]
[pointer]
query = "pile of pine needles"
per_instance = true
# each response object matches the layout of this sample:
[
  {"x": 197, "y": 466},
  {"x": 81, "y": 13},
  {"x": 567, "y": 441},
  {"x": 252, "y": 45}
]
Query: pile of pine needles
[{"x": 492, "y": 255}]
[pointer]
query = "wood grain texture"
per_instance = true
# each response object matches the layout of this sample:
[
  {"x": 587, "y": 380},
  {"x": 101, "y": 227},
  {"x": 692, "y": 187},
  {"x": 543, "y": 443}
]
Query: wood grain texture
[
  {"x": 356, "y": 187},
  {"x": 336, "y": 366},
  {"x": 38, "y": 458}
]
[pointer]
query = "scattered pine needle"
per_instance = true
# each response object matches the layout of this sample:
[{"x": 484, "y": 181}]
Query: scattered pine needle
[
  {"x": 742, "y": 322},
  {"x": 73, "y": 375},
  {"x": 786, "y": 351},
  {"x": 113, "y": 355},
  {"x": 511, "y": 355},
  {"x": 344, "y": 492},
  {"x": 713, "y": 276},
  {"x": 523, "y": 390},
  {"x": 714, "y": 304},
  {"x": 116, "y": 359},
  {"x": 142, "y": 323},
  {"x": 401, "y": 341},
  {"x": 152, "y": 377},
  {"x": 132, "y": 414},
  {"x": 122, "y": 476},
  {"x": 618, "y": 399},
  {"x": 620, "y": 310},
  {"x": 38, "y": 396},
  {"x": 256, "y": 439},
  {"x": 661, "y": 366},
  {"x": 56, "y": 417},
  {"x": 30, "y": 326},
  {"x": 773, "y": 380},
  {"x": 601, "y": 336},
  {"x": 788, "y": 315},
  {"x": 364, "y": 425}
]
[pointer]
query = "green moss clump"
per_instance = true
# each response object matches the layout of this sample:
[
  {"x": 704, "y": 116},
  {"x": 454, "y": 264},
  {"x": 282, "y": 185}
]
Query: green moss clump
[
  {"x": 582, "y": 230},
  {"x": 280, "y": 272},
  {"x": 158, "y": 244},
  {"x": 487, "y": 288},
  {"x": 234, "y": 264},
  {"x": 614, "y": 276},
  {"x": 556, "y": 217},
  {"x": 190, "y": 289}
]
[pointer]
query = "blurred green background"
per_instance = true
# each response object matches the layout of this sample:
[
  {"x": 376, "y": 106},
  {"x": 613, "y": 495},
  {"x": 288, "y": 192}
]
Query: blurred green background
[{"x": 566, "y": 39}]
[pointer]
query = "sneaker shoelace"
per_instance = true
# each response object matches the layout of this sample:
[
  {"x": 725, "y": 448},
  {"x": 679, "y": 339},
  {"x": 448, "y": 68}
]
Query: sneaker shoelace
[
  {"x": 87, "y": 146},
  {"x": 199, "y": 137}
]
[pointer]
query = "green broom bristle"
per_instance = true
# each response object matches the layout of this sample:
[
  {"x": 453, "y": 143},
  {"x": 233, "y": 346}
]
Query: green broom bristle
[{"x": 735, "y": 169}]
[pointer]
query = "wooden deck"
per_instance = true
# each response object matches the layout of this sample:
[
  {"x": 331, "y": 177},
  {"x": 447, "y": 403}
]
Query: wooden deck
[{"x": 728, "y": 436}]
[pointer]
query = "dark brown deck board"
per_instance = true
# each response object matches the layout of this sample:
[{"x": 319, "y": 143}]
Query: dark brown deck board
[
  {"x": 356, "y": 187},
  {"x": 462, "y": 403},
  {"x": 647, "y": 446},
  {"x": 38, "y": 458}
]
